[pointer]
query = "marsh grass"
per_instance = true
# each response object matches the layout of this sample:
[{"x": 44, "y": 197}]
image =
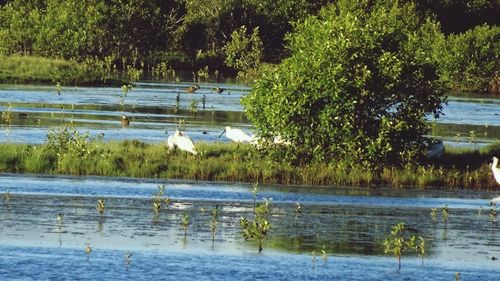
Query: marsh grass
[{"x": 457, "y": 169}]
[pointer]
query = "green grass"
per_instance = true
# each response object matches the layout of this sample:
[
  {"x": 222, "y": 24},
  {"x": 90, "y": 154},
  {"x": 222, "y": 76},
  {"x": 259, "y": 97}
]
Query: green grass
[
  {"x": 27, "y": 69},
  {"x": 457, "y": 169}
]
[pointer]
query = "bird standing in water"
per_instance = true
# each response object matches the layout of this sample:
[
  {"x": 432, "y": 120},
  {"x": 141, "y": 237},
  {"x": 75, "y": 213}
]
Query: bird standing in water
[
  {"x": 496, "y": 175},
  {"x": 193, "y": 88},
  {"x": 125, "y": 121}
]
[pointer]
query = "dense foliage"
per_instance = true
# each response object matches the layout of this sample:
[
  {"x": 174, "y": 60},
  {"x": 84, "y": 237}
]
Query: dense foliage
[
  {"x": 136, "y": 36},
  {"x": 358, "y": 83}
]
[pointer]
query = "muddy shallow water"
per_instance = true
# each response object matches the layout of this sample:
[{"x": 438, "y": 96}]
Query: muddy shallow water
[{"x": 350, "y": 224}]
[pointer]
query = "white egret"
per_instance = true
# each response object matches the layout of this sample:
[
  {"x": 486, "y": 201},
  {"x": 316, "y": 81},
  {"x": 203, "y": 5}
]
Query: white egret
[
  {"x": 496, "y": 175},
  {"x": 182, "y": 141},
  {"x": 236, "y": 135}
]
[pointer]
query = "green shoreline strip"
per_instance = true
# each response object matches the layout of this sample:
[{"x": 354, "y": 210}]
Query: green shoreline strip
[{"x": 457, "y": 169}]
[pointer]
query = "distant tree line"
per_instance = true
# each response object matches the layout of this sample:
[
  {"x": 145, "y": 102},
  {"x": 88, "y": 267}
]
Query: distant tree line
[{"x": 188, "y": 33}]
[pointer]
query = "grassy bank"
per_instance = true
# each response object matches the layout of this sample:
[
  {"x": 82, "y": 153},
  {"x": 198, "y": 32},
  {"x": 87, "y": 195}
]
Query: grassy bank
[
  {"x": 27, "y": 69},
  {"x": 457, "y": 169}
]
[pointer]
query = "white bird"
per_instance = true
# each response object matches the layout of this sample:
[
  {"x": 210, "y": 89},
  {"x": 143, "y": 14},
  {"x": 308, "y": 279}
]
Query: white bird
[
  {"x": 236, "y": 135},
  {"x": 182, "y": 141},
  {"x": 496, "y": 175}
]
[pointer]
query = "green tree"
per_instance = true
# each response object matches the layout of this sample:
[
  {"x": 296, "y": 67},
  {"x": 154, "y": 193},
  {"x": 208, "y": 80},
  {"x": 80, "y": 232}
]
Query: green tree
[
  {"x": 244, "y": 52},
  {"x": 357, "y": 86},
  {"x": 471, "y": 60}
]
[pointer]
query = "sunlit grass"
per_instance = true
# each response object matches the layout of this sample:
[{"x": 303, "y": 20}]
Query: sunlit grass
[{"x": 457, "y": 169}]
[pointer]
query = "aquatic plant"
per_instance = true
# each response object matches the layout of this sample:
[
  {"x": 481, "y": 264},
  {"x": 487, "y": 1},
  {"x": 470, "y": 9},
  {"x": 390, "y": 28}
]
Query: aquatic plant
[
  {"x": 7, "y": 114},
  {"x": 324, "y": 255},
  {"x": 457, "y": 276},
  {"x": 58, "y": 88},
  {"x": 420, "y": 248},
  {"x": 444, "y": 215},
  {"x": 398, "y": 242},
  {"x": 213, "y": 221},
  {"x": 313, "y": 259},
  {"x": 194, "y": 107},
  {"x": 203, "y": 100},
  {"x": 88, "y": 250},
  {"x": 203, "y": 74},
  {"x": 158, "y": 198},
  {"x": 128, "y": 260},
  {"x": 185, "y": 223},
  {"x": 7, "y": 196},
  {"x": 258, "y": 228},
  {"x": 101, "y": 206},
  {"x": 297, "y": 209},
  {"x": 59, "y": 226},
  {"x": 434, "y": 215},
  {"x": 255, "y": 190}
]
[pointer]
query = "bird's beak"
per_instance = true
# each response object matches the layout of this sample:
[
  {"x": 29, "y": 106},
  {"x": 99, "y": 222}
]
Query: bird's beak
[{"x": 222, "y": 133}]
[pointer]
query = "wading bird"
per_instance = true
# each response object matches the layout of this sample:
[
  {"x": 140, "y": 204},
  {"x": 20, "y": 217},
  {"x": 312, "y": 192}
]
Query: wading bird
[
  {"x": 236, "y": 135},
  {"x": 182, "y": 141},
  {"x": 125, "y": 121},
  {"x": 496, "y": 175},
  {"x": 219, "y": 90},
  {"x": 193, "y": 88}
]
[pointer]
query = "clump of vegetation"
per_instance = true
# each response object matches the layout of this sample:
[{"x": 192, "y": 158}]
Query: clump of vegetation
[
  {"x": 158, "y": 198},
  {"x": 7, "y": 114},
  {"x": 399, "y": 241},
  {"x": 357, "y": 108},
  {"x": 214, "y": 222},
  {"x": 101, "y": 206},
  {"x": 185, "y": 223},
  {"x": 257, "y": 229},
  {"x": 244, "y": 52}
]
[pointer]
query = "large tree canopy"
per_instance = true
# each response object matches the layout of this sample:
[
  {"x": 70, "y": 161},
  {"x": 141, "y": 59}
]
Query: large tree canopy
[{"x": 360, "y": 80}]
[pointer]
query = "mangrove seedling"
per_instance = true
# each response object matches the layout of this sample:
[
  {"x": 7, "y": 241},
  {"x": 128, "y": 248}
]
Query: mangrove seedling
[
  {"x": 59, "y": 226},
  {"x": 254, "y": 194},
  {"x": 101, "y": 206},
  {"x": 398, "y": 242},
  {"x": 324, "y": 255},
  {"x": 88, "y": 250},
  {"x": 297, "y": 209},
  {"x": 7, "y": 196},
  {"x": 7, "y": 114},
  {"x": 203, "y": 101},
  {"x": 202, "y": 211},
  {"x": 314, "y": 254},
  {"x": 257, "y": 228},
  {"x": 434, "y": 215},
  {"x": 185, "y": 223},
  {"x": 457, "y": 276},
  {"x": 128, "y": 260},
  {"x": 420, "y": 248},
  {"x": 58, "y": 88},
  {"x": 213, "y": 222},
  {"x": 444, "y": 215},
  {"x": 157, "y": 198},
  {"x": 194, "y": 107}
]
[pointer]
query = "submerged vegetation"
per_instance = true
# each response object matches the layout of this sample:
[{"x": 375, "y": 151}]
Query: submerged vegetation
[{"x": 69, "y": 152}]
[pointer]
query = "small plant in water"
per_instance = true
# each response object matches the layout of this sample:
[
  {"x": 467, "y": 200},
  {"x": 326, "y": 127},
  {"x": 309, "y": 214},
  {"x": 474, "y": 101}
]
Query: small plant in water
[
  {"x": 444, "y": 214},
  {"x": 213, "y": 222},
  {"x": 257, "y": 228},
  {"x": 58, "y": 88},
  {"x": 59, "y": 226},
  {"x": 255, "y": 190},
  {"x": 128, "y": 260},
  {"x": 194, "y": 107},
  {"x": 88, "y": 250},
  {"x": 7, "y": 196},
  {"x": 101, "y": 206},
  {"x": 457, "y": 276},
  {"x": 7, "y": 114},
  {"x": 185, "y": 223},
  {"x": 399, "y": 242},
  {"x": 297, "y": 209},
  {"x": 420, "y": 248},
  {"x": 324, "y": 255},
  {"x": 158, "y": 198},
  {"x": 434, "y": 215},
  {"x": 314, "y": 255}
]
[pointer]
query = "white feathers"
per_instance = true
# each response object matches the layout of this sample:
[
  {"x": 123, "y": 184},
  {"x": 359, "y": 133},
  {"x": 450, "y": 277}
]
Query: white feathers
[
  {"x": 182, "y": 141},
  {"x": 236, "y": 135}
]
